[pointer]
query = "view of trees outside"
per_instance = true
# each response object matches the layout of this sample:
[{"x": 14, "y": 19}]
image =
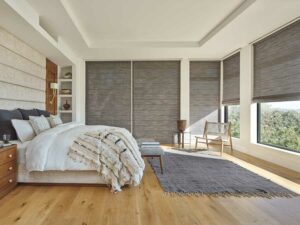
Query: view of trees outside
[
  {"x": 280, "y": 124},
  {"x": 234, "y": 118}
]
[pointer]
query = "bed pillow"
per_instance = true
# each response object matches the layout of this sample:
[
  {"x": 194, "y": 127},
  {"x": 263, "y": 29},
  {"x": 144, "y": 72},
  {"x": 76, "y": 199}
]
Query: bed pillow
[
  {"x": 43, "y": 112},
  {"x": 28, "y": 112},
  {"x": 55, "y": 121},
  {"x": 24, "y": 130},
  {"x": 6, "y": 126},
  {"x": 39, "y": 124}
]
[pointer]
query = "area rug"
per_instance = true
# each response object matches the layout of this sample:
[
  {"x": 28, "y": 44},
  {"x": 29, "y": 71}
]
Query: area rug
[{"x": 193, "y": 175}]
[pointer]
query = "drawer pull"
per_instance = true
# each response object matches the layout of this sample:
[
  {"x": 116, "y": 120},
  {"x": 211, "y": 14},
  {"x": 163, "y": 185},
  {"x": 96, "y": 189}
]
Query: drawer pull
[
  {"x": 10, "y": 168},
  {"x": 10, "y": 156},
  {"x": 10, "y": 180}
]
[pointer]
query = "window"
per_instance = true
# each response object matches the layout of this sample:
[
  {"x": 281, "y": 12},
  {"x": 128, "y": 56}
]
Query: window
[
  {"x": 279, "y": 124},
  {"x": 232, "y": 114}
]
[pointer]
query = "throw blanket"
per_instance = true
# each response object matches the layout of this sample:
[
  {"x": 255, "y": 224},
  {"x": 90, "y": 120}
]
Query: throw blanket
[{"x": 113, "y": 152}]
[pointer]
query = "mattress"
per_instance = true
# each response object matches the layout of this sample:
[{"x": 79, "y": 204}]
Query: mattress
[
  {"x": 58, "y": 177},
  {"x": 21, "y": 150}
]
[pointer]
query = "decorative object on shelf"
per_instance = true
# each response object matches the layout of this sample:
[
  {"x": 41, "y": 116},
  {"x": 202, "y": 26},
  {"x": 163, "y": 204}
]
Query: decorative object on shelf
[
  {"x": 6, "y": 138},
  {"x": 181, "y": 125},
  {"x": 54, "y": 87},
  {"x": 67, "y": 75},
  {"x": 66, "y": 106},
  {"x": 66, "y": 91}
]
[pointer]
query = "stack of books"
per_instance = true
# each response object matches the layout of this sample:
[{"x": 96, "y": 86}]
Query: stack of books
[{"x": 148, "y": 144}]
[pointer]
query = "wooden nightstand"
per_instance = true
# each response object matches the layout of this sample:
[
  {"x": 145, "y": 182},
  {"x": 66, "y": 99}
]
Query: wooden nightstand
[{"x": 8, "y": 169}]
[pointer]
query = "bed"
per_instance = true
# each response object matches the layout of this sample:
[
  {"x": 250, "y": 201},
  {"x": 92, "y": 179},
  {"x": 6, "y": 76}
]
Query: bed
[
  {"x": 46, "y": 158},
  {"x": 71, "y": 175}
]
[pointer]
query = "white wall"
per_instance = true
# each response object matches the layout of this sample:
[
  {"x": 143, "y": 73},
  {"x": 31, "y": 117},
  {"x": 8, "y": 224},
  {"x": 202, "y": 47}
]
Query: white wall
[{"x": 185, "y": 90}]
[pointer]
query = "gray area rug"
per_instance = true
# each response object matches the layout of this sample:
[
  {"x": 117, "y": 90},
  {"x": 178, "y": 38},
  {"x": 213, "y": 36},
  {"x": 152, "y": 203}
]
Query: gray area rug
[{"x": 185, "y": 174}]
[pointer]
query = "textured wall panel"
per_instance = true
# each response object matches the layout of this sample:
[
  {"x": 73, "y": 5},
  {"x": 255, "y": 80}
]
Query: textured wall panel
[
  {"x": 277, "y": 65},
  {"x": 108, "y": 93},
  {"x": 156, "y": 99},
  {"x": 13, "y": 104},
  {"x": 204, "y": 94},
  {"x": 10, "y": 75},
  {"x": 231, "y": 79},
  {"x": 9, "y": 41},
  {"x": 22, "y": 74},
  {"x": 18, "y": 62},
  {"x": 20, "y": 93},
  {"x": 14, "y": 44}
]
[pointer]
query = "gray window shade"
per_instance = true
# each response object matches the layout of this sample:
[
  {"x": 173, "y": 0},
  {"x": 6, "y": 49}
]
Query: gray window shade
[
  {"x": 277, "y": 66},
  {"x": 204, "y": 93},
  {"x": 156, "y": 99},
  {"x": 108, "y": 93},
  {"x": 231, "y": 80}
]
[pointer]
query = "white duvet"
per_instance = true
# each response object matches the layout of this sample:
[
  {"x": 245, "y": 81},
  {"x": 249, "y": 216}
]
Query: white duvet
[{"x": 49, "y": 150}]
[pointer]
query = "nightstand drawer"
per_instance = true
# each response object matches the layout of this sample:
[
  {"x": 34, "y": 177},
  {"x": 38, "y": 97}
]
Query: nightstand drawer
[
  {"x": 8, "y": 181},
  {"x": 8, "y": 155},
  {"x": 7, "y": 168}
]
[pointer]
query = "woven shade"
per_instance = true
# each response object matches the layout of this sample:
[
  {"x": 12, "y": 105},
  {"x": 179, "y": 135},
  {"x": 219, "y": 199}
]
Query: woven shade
[
  {"x": 231, "y": 80},
  {"x": 108, "y": 94},
  {"x": 156, "y": 99},
  {"x": 277, "y": 66}
]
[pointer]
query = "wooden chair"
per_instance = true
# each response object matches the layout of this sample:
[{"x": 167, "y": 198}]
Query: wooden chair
[{"x": 217, "y": 133}]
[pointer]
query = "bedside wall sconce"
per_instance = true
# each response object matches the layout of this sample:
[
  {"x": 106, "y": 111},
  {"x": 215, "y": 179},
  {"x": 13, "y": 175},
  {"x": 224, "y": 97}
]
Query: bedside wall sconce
[{"x": 54, "y": 87}]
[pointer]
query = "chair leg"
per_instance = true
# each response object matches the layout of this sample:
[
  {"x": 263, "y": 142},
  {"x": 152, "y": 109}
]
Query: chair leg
[
  {"x": 222, "y": 147},
  {"x": 206, "y": 142},
  {"x": 231, "y": 145},
  {"x": 161, "y": 165}
]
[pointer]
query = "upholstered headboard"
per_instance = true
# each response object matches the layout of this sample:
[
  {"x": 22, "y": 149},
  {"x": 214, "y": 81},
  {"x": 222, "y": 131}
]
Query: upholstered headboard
[{"x": 6, "y": 116}]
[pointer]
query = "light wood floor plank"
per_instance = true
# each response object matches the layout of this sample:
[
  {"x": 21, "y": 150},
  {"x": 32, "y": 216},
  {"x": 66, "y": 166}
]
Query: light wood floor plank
[{"x": 146, "y": 204}]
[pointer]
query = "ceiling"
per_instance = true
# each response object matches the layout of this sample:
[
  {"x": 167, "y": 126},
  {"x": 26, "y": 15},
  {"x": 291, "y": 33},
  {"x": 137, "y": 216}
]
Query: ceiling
[{"x": 143, "y": 29}]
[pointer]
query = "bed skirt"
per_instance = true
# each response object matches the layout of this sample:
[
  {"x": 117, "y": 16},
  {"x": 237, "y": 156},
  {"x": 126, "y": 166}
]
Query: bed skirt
[{"x": 60, "y": 177}]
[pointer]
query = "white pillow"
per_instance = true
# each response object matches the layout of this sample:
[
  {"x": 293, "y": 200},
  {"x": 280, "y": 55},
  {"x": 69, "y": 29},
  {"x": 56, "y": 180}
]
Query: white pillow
[
  {"x": 54, "y": 120},
  {"x": 24, "y": 129},
  {"x": 39, "y": 124}
]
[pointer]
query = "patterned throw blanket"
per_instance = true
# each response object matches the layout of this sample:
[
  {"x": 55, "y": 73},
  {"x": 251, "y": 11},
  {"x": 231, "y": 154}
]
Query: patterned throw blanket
[{"x": 113, "y": 152}]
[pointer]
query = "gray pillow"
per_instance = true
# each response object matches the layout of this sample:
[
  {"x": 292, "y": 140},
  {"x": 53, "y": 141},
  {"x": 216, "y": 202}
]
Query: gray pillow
[
  {"x": 28, "y": 112},
  {"x": 6, "y": 126}
]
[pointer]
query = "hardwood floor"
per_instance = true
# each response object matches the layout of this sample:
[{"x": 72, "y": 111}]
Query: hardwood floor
[{"x": 143, "y": 205}]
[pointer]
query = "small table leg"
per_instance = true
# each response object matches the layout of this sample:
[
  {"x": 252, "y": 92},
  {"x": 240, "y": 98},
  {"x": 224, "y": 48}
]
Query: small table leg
[{"x": 182, "y": 143}]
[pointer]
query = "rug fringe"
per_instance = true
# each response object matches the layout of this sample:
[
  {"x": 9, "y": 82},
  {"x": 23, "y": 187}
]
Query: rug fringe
[{"x": 227, "y": 195}]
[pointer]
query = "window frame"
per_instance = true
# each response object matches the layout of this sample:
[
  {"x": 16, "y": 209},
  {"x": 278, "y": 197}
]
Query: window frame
[
  {"x": 226, "y": 116},
  {"x": 258, "y": 139}
]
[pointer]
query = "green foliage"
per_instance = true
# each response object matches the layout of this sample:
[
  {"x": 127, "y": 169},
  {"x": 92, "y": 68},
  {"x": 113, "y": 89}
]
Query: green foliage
[
  {"x": 234, "y": 118},
  {"x": 280, "y": 127}
]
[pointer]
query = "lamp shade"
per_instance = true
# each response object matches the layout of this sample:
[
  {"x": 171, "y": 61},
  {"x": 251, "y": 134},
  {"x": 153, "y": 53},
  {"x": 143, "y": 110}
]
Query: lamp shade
[{"x": 54, "y": 85}]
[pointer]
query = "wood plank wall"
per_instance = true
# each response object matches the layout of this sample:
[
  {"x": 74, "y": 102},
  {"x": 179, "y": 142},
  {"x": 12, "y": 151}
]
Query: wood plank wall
[
  {"x": 22, "y": 74},
  {"x": 51, "y": 77}
]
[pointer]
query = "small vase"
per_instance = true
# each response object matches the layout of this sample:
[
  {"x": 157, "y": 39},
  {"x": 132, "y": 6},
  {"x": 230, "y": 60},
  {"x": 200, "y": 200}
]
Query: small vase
[
  {"x": 66, "y": 105},
  {"x": 181, "y": 125}
]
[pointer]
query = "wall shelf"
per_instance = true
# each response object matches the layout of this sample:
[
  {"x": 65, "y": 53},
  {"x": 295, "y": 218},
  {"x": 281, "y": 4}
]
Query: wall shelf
[
  {"x": 65, "y": 111},
  {"x": 66, "y": 115}
]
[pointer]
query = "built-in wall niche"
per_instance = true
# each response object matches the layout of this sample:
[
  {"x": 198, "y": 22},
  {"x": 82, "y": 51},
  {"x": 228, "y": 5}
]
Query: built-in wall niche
[{"x": 66, "y": 94}]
